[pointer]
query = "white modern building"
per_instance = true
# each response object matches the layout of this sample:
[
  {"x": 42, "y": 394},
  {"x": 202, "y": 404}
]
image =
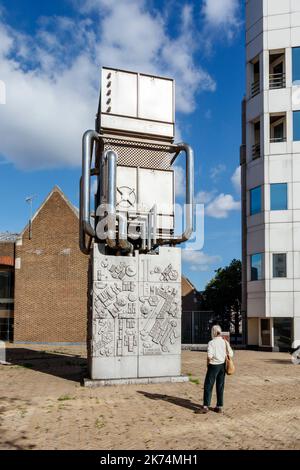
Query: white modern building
[{"x": 270, "y": 161}]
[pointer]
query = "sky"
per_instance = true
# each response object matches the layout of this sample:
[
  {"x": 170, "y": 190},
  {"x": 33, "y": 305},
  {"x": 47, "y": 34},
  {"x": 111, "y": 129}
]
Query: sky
[{"x": 51, "y": 53}]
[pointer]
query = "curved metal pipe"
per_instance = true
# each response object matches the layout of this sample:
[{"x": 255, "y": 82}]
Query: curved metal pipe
[
  {"x": 189, "y": 195},
  {"x": 111, "y": 158},
  {"x": 82, "y": 240},
  {"x": 89, "y": 137}
]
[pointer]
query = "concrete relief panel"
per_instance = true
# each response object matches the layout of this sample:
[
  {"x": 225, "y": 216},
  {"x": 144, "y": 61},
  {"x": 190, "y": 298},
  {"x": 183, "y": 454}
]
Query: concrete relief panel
[{"x": 136, "y": 314}]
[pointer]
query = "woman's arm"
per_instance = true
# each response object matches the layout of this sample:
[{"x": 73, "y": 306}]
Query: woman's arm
[{"x": 230, "y": 352}]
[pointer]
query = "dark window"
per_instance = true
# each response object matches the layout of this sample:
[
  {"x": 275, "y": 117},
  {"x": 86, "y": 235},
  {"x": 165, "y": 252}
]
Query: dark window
[
  {"x": 296, "y": 126},
  {"x": 255, "y": 200},
  {"x": 296, "y": 64},
  {"x": 279, "y": 200},
  {"x": 256, "y": 267},
  {"x": 6, "y": 284},
  {"x": 279, "y": 265},
  {"x": 283, "y": 332},
  {"x": 265, "y": 332}
]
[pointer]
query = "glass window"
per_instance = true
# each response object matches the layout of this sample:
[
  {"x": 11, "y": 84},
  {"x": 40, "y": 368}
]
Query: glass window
[
  {"x": 296, "y": 65},
  {"x": 255, "y": 200},
  {"x": 6, "y": 284},
  {"x": 296, "y": 126},
  {"x": 256, "y": 267},
  {"x": 279, "y": 265},
  {"x": 279, "y": 197}
]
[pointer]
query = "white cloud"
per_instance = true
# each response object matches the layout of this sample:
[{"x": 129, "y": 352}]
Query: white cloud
[
  {"x": 198, "y": 260},
  {"x": 52, "y": 78},
  {"x": 222, "y": 15},
  {"x": 204, "y": 197},
  {"x": 236, "y": 179},
  {"x": 216, "y": 171},
  {"x": 221, "y": 206}
]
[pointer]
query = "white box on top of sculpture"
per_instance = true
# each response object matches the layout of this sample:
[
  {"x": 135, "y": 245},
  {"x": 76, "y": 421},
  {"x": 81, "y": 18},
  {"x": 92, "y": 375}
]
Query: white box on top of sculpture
[{"x": 137, "y": 103}]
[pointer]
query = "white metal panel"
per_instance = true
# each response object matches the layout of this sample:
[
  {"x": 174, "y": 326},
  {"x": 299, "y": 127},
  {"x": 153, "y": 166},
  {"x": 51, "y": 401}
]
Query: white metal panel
[
  {"x": 155, "y": 99},
  {"x": 136, "y": 126},
  {"x": 119, "y": 93},
  {"x": 156, "y": 187}
]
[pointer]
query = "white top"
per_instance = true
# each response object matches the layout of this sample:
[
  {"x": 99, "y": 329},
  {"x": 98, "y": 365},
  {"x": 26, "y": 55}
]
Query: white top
[{"x": 216, "y": 351}]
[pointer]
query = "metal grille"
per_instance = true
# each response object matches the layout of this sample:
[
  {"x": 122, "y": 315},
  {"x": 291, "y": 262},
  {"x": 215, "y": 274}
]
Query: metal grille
[{"x": 141, "y": 154}]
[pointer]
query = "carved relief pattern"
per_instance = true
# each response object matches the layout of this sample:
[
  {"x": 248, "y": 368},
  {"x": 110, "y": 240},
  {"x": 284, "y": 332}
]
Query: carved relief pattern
[{"x": 132, "y": 316}]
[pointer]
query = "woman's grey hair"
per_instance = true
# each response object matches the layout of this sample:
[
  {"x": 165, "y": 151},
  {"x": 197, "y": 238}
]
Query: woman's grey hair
[{"x": 216, "y": 331}]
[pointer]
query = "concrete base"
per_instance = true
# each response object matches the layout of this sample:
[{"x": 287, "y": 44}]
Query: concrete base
[{"x": 134, "y": 380}]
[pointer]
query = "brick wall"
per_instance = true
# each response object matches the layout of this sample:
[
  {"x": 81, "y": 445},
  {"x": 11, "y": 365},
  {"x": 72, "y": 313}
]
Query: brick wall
[{"x": 51, "y": 277}]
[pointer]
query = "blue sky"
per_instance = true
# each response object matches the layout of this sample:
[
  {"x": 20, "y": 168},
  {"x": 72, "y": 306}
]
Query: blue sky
[{"x": 50, "y": 58}]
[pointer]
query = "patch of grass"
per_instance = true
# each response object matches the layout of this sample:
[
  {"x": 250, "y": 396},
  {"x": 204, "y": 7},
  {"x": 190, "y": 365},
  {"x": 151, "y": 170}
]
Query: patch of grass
[
  {"x": 65, "y": 398},
  {"x": 194, "y": 380},
  {"x": 23, "y": 412},
  {"x": 99, "y": 423}
]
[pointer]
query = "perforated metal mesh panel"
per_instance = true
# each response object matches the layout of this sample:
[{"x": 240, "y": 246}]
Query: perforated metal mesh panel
[{"x": 141, "y": 154}]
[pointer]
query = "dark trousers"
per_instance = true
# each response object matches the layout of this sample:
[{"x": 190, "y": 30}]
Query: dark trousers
[{"x": 215, "y": 373}]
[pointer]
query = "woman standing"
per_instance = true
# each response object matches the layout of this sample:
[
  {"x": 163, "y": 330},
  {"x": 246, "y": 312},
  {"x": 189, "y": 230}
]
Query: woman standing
[{"x": 218, "y": 349}]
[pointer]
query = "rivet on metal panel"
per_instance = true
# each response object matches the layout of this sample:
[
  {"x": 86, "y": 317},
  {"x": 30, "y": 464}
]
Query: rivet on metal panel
[
  {"x": 108, "y": 101},
  {"x": 108, "y": 75},
  {"x": 108, "y": 109},
  {"x": 108, "y": 92},
  {"x": 108, "y": 84}
]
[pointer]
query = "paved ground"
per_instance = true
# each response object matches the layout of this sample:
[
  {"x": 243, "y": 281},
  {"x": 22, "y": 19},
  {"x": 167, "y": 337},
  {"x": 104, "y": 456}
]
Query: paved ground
[{"x": 43, "y": 405}]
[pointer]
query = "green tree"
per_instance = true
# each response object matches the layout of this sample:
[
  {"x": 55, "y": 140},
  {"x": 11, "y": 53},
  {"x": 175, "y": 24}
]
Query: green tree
[{"x": 223, "y": 295}]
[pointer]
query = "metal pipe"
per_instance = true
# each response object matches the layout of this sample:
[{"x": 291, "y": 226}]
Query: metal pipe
[
  {"x": 111, "y": 158},
  {"x": 189, "y": 195},
  {"x": 82, "y": 243},
  {"x": 89, "y": 137}
]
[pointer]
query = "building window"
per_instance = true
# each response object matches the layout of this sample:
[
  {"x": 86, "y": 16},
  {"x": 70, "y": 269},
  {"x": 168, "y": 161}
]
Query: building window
[
  {"x": 6, "y": 303},
  {"x": 278, "y": 128},
  {"x": 296, "y": 126},
  {"x": 255, "y": 200},
  {"x": 296, "y": 66},
  {"x": 279, "y": 198},
  {"x": 255, "y": 85},
  {"x": 256, "y": 267},
  {"x": 279, "y": 265},
  {"x": 277, "y": 70},
  {"x": 265, "y": 332},
  {"x": 256, "y": 138}
]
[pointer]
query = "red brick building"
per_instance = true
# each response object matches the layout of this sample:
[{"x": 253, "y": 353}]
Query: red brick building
[{"x": 50, "y": 276}]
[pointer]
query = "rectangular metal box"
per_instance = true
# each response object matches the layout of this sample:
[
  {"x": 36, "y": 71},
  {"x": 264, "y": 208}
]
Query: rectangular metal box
[{"x": 136, "y": 103}]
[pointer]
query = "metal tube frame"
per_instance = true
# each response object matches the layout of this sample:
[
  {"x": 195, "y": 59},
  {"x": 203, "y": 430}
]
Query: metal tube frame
[{"x": 89, "y": 138}]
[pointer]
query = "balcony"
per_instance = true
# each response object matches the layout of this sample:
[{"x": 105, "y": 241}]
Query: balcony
[
  {"x": 277, "y": 80},
  {"x": 276, "y": 140},
  {"x": 255, "y": 88},
  {"x": 255, "y": 151}
]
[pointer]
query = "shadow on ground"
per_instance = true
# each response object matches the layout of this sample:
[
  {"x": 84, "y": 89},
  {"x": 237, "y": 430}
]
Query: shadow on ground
[
  {"x": 63, "y": 365},
  {"x": 279, "y": 361},
  {"x": 183, "y": 402}
]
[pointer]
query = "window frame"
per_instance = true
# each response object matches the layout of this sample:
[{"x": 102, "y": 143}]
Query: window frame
[
  {"x": 272, "y": 186},
  {"x": 261, "y": 205},
  {"x": 261, "y": 276},
  {"x": 273, "y": 265},
  {"x": 296, "y": 112}
]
